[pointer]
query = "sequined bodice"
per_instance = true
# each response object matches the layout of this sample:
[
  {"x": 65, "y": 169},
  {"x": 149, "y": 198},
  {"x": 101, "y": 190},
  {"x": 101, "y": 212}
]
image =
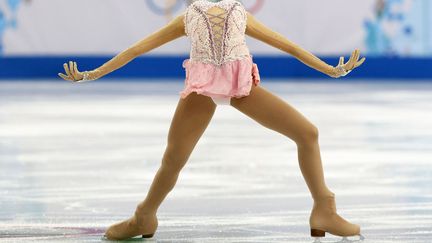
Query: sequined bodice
[{"x": 216, "y": 31}]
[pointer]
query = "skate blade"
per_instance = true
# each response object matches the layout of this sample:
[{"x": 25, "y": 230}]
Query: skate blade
[{"x": 343, "y": 240}]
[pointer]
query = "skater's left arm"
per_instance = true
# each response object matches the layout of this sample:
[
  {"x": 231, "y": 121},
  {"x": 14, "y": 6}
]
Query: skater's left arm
[
  {"x": 259, "y": 31},
  {"x": 173, "y": 30}
]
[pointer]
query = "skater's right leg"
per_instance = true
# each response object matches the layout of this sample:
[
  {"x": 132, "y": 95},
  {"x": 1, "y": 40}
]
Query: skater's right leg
[
  {"x": 191, "y": 118},
  {"x": 189, "y": 123}
]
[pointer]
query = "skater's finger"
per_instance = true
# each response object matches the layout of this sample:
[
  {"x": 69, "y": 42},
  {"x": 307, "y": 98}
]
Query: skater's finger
[
  {"x": 356, "y": 58},
  {"x": 60, "y": 75},
  {"x": 74, "y": 68},
  {"x": 71, "y": 68},
  {"x": 357, "y": 55},
  {"x": 360, "y": 62},
  {"x": 64, "y": 76},
  {"x": 341, "y": 61},
  {"x": 77, "y": 73},
  {"x": 352, "y": 60},
  {"x": 66, "y": 68}
]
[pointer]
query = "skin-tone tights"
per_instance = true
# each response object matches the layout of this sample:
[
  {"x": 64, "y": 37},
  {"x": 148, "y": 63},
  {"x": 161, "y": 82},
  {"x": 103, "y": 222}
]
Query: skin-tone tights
[
  {"x": 193, "y": 114},
  {"x": 191, "y": 118}
]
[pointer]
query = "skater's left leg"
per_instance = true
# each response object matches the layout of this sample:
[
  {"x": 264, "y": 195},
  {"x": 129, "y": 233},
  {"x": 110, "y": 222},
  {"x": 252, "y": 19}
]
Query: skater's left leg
[{"x": 276, "y": 114}]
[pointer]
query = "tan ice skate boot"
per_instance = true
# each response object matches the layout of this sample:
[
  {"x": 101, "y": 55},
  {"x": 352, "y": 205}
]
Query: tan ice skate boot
[
  {"x": 139, "y": 224},
  {"x": 324, "y": 218}
]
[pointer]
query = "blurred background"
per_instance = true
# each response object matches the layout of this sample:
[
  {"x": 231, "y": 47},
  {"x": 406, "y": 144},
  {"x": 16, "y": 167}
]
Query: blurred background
[
  {"x": 76, "y": 158},
  {"x": 37, "y": 35}
]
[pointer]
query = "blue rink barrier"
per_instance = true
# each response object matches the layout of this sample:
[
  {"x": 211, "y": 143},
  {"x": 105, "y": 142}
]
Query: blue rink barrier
[{"x": 162, "y": 67}]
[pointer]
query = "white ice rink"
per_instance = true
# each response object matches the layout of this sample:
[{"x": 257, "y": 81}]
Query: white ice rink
[{"x": 75, "y": 158}]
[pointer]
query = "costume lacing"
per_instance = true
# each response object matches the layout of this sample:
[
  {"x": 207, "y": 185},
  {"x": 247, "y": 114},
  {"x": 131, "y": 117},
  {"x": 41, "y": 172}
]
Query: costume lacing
[{"x": 216, "y": 38}]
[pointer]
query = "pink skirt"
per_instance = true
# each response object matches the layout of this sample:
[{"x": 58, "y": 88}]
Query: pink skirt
[{"x": 231, "y": 79}]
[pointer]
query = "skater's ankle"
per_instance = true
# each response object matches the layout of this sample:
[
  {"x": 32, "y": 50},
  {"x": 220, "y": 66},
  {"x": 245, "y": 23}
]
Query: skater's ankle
[
  {"x": 141, "y": 211},
  {"x": 324, "y": 195}
]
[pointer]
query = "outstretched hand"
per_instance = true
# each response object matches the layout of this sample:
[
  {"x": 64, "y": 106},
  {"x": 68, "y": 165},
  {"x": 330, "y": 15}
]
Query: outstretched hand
[
  {"x": 72, "y": 73},
  {"x": 343, "y": 69},
  {"x": 352, "y": 63}
]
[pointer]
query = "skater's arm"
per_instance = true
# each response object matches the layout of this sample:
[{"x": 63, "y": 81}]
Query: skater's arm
[
  {"x": 259, "y": 31},
  {"x": 173, "y": 30}
]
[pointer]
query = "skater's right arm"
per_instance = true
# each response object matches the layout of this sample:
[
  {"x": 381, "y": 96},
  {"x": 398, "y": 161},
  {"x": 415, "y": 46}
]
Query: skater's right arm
[{"x": 173, "y": 30}]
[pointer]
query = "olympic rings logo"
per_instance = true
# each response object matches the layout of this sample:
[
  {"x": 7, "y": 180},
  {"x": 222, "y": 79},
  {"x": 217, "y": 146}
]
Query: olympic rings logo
[
  {"x": 172, "y": 6},
  {"x": 256, "y": 7}
]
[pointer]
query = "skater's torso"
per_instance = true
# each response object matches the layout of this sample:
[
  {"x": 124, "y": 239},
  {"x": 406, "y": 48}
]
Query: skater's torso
[{"x": 216, "y": 31}]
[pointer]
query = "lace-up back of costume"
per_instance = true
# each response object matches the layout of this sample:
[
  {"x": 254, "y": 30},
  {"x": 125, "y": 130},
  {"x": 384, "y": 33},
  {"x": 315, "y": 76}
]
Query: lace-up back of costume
[{"x": 216, "y": 31}]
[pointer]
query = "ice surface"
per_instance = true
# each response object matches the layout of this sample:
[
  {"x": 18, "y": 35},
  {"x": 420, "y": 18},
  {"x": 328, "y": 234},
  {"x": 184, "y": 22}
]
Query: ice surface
[{"x": 75, "y": 158}]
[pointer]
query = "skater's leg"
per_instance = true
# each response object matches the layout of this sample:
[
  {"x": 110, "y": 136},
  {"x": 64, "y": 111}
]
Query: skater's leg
[
  {"x": 191, "y": 118},
  {"x": 274, "y": 113},
  {"x": 189, "y": 123}
]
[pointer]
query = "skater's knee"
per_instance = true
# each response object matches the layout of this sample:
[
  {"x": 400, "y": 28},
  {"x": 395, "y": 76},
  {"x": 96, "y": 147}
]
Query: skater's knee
[
  {"x": 307, "y": 135},
  {"x": 173, "y": 160}
]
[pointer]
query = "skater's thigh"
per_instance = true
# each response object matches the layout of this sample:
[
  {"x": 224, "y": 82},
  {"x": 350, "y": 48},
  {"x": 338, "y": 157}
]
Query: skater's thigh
[
  {"x": 274, "y": 113},
  {"x": 191, "y": 118}
]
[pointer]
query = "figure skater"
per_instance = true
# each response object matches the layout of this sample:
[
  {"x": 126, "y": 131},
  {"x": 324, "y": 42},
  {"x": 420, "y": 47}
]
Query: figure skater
[{"x": 221, "y": 71}]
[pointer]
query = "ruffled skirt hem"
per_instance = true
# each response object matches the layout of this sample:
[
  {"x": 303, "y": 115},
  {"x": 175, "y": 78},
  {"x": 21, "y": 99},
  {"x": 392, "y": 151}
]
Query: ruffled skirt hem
[{"x": 231, "y": 79}]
